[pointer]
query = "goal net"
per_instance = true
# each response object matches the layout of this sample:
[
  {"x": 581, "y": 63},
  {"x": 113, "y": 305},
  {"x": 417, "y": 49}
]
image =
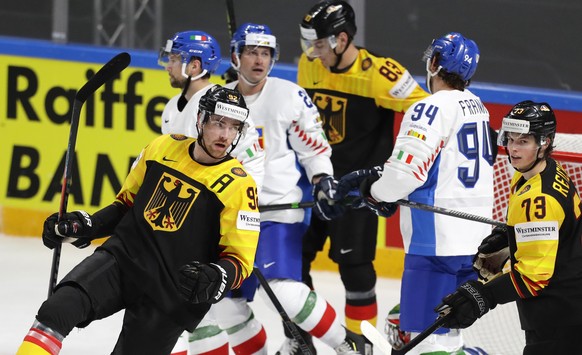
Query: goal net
[{"x": 499, "y": 331}]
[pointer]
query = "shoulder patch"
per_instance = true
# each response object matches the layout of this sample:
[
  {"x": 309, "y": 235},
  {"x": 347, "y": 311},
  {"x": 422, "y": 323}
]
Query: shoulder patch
[
  {"x": 366, "y": 64},
  {"x": 536, "y": 231},
  {"x": 238, "y": 172},
  {"x": 178, "y": 137},
  {"x": 250, "y": 221}
]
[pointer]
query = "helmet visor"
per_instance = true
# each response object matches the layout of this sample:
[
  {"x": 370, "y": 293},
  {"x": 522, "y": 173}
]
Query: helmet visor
[
  {"x": 428, "y": 52},
  {"x": 318, "y": 47},
  {"x": 511, "y": 125},
  {"x": 168, "y": 56},
  {"x": 516, "y": 129},
  {"x": 164, "y": 54}
]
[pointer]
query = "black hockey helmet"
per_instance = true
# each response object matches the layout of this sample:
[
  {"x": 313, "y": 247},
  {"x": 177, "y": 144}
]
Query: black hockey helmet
[
  {"x": 528, "y": 117},
  {"x": 222, "y": 102},
  {"x": 328, "y": 18},
  {"x": 225, "y": 102}
]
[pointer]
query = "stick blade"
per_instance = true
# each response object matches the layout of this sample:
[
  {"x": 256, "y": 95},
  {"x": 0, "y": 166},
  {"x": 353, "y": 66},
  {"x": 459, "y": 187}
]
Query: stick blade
[
  {"x": 108, "y": 71},
  {"x": 375, "y": 337}
]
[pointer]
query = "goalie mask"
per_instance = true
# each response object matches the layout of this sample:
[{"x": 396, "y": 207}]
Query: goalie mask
[
  {"x": 192, "y": 45},
  {"x": 326, "y": 20},
  {"x": 253, "y": 35},
  {"x": 219, "y": 103}
]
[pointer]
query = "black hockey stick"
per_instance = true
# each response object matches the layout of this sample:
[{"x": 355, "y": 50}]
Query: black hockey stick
[
  {"x": 287, "y": 322},
  {"x": 372, "y": 334},
  {"x": 230, "y": 20},
  {"x": 106, "y": 73},
  {"x": 448, "y": 212},
  {"x": 286, "y": 206},
  {"x": 230, "y": 74},
  {"x": 411, "y": 204}
]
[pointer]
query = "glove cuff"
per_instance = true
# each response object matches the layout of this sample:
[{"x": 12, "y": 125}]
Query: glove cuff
[
  {"x": 228, "y": 271},
  {"x": 482, "y": 296},
  {"x": 366, "y": 185}
]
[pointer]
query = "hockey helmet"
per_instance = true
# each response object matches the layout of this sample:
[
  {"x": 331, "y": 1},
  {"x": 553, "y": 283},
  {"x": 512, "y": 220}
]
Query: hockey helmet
[
  {"x": 528, "y": 117},
  {"x": 189, "y": 45},
  {"x": 253, "y": 35},
  {"x": 457, "y": 54},
  {"x": 326, "y": 20},
  {"x": 224, "y": 102}
]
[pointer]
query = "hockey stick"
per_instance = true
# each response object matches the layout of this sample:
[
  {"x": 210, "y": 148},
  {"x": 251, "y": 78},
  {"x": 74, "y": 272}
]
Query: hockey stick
[
  {"x": 230, "y": 74},
  {"x": 448, "y": 212},
  {"x": 287, "y": 322},
  {"x": 372, "y": 334},
  {"x": 411, "y": 204},
  {"x": 230, "y": 20},
  {"x": 107, "y": 72},
  {"x": 286, "y": 206}
]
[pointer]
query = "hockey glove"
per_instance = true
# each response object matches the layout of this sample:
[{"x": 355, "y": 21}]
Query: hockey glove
[
  {"x": 200, "y": 283},
  {"x": 75, "y": 228},
  {"x": 467, "y": 304},
  {"x": 350, "y": 183},
  {"x": 324, "y": 194},
  {"x": 492, "y": 255},
  {"x": 382, "y": 209}
]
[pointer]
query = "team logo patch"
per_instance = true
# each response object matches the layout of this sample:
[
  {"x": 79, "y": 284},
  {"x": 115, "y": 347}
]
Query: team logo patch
[
  {"x": 238, "y": 172},
  {"x": 170, "y": 203},
  {"x": 332, "y": 110},
  {"x": 366, "y": 64},
  {"x": 524, "y": 190},
  {"x": 178, "y": 137}
]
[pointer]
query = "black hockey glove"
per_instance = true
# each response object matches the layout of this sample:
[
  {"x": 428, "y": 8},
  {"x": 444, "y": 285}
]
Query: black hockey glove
[
  {"x": 75, "y": 228},
  {"x": 382, "y": 209},
  {"x": 350, "y": 183},
  {"x": 201, "y": 283},
  {"x": 324, "y": 194},
  {"x": 492, "y": 254},
  {"x": 467, "y": 304}
]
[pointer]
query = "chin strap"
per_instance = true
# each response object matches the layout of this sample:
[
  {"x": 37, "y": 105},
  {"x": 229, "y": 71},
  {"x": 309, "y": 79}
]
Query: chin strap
[
  {"x": 339, "y": 56},
  {"x": 248, "y": 82},
  {"x": 533, "y": 165},
  {"x": 182, "y": 101}
]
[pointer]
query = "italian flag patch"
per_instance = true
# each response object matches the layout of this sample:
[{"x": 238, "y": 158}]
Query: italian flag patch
[{"x": 402, "y": 155}]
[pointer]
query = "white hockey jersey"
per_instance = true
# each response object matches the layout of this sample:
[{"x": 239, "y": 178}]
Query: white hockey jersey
[
  {"x": 442, "y": 157},
  {"x": 290, "y": 133},
  {"x": 248, "y": 151}
]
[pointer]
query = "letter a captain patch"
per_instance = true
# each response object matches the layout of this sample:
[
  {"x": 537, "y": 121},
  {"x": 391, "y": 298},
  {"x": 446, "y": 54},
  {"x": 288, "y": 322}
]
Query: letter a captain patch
[{"x": 170, "y": 203}]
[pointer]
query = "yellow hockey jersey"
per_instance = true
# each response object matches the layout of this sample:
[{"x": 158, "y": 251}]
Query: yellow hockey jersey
[
  {"x": 180, "y": 211},
  {"x": 357, "y": 106}
]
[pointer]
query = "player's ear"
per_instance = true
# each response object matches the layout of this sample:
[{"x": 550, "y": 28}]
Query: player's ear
[
  {"x": 194, "y": 67},
  {"x": 342, "y": 40},
  {"x": 234, "y": 59}
]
